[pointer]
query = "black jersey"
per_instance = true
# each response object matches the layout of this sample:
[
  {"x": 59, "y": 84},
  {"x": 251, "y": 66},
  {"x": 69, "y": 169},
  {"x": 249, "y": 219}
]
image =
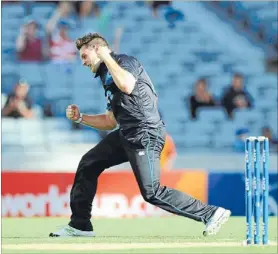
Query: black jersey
[{"x": 137, "y": 111}]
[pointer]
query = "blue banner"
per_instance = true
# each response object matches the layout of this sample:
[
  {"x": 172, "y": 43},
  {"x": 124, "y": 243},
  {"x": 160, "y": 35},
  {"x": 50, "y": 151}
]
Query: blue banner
[{"x": 228, "y": 190}]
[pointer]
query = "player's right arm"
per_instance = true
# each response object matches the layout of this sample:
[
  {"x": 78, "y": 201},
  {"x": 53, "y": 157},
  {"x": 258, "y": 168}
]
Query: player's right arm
[{"x": 105, "y": 121}]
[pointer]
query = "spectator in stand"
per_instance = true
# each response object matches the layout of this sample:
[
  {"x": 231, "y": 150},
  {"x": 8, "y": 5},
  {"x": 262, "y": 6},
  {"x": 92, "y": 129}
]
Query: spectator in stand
[
  {"x": 166, "y": 10},
  {"x": 61, "y": 47},
  {"x": 273, "y": 141},
  {"x": 86, "y": 8},
  {"x": 201, "y": 98},
  {"x": 18, "y": 103},
  {"x": 236, "y": 96},
  {"x": 64, "y": 10},
  {"x": 172, "y": 16},
  {"x": 239, "y": 144},
  {"x": 28, "y": 45},
  {"x": 155, "y": 5}
]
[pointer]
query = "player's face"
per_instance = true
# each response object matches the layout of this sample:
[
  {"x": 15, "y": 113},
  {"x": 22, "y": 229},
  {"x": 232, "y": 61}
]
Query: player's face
[{"x": 89, "y": 58}]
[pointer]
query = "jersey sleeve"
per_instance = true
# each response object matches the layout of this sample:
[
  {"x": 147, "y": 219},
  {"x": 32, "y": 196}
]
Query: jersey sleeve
[{"x": 130, "y": 64}]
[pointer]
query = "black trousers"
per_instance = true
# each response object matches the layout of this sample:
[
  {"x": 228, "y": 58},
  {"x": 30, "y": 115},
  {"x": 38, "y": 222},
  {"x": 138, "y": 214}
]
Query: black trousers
[{"x": 144, "y": 157}]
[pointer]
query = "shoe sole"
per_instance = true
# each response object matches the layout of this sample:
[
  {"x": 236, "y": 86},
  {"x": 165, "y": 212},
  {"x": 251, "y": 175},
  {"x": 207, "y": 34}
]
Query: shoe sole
[
  {"x": 221, "y": 221},
  {"x": 53, "y": 235}
]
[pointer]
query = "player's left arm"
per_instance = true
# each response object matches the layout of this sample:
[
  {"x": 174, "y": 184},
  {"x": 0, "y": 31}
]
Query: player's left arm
[{"x": 123, "y": 79}]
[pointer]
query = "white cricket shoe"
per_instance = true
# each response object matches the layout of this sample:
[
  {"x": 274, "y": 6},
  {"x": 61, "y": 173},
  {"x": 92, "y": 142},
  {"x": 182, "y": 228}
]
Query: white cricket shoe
[
  {"x": 69, "y": 231},
  {"x": 219, "y": 218}
]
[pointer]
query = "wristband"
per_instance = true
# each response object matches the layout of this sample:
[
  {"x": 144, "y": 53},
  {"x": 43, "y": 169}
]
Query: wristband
[{"x": 79, "y": 120}]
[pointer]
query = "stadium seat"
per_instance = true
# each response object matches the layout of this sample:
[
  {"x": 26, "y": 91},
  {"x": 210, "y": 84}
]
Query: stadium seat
[
  {"x": 59, "y": 137},
  {"x": 43, "y": 10},
  {"x": 265, "y": 103},
  {"x": 58, "y": 79},
  {"x": 247, "y": 117},
  {"x": 57, "y": 123},
  {"x": 200, "y": 127},
  {"x": 9, "y": 125},
  {"x": 12, "y": 25},
  {"x": 12, "y": 11},
  {"x": 32, "y": 72},
  {"x": 211, "y": 114},
  {"x": 222, "y": 140},
  {"x": 229, "y": 127},
  {"x": 30, "y": 126},
  {"x": 209, "y": 69},
  {"x": 89, "y": 136},
  {"x": 259, "y": 13},
  {"x": 27, "y": 128},
  {"x": 9, "y": 69},
  {"x": 10, "y": 139},
  {"x": 264, "y": 81},
  {"x": 194, "y": 140},
  {"x": 9, "y": 34},
  {"x": 82, "y": 76}
]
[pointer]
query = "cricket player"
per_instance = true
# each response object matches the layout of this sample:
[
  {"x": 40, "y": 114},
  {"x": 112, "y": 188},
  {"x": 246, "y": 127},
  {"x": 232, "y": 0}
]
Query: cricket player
[{"x": 132, "y": 106}]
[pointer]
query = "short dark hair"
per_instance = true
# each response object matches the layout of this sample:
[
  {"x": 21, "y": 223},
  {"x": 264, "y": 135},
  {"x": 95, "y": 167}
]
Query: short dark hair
[
  {"x": 80, "y": 42},
  {"x": 238, "y": 75},
  {"x": 202, "y": 80}
]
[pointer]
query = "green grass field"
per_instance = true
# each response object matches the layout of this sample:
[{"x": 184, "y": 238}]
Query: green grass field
[{"x": 143, "y": 235}]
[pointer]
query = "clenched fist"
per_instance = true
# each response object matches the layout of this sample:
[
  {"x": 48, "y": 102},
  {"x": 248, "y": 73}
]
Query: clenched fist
[
  {"x": 73, "y": 112},
  {"x": 102, "y": 52}
]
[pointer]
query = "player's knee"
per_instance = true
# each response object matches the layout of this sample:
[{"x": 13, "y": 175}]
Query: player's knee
[
  {"x": 86, "y": 157},
  {"x": 148, "y": 196},
  {"x": 90, "y": 166},
  {"x": 149, "y": 193}
]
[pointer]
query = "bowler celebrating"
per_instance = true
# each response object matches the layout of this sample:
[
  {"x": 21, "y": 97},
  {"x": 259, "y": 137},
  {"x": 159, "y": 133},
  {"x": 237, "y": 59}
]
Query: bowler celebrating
[{"x": 131, "y": 105}]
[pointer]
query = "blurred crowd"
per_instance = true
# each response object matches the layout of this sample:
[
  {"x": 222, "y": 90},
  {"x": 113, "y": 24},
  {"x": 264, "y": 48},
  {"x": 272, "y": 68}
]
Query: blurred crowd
[
  {"x": 235, "y": 96},
  {"x": 54, "y": 41},
  {"x": 57, "y": 45},
  {"x": 19, "y": 105}
]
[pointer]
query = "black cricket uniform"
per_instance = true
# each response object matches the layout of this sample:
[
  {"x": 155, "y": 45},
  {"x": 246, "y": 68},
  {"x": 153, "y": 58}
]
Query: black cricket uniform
[{"x": 139, "y": 140}]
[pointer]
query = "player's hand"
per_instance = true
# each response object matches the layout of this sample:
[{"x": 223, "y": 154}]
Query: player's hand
[
  {"x": 102, "y": 52},
  {"x": 13, "y": 103},
  {"x": 73, "y": 112},
  {"x": 23, "y": 30}
]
